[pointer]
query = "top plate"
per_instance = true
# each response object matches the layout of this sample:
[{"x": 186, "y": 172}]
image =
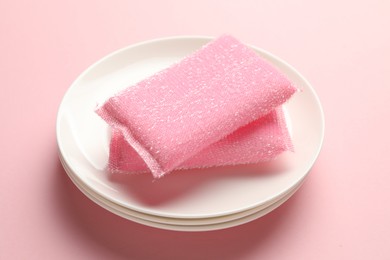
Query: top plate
[{"x": 83, "y": 140}]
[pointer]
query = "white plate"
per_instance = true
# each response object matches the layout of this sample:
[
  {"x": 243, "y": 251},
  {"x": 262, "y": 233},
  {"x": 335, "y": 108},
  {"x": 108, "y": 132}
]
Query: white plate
[
  {"x": 83, "y": 142},
  {"x": 163, "y": 220},
  {"x": 191, "y": 225}
]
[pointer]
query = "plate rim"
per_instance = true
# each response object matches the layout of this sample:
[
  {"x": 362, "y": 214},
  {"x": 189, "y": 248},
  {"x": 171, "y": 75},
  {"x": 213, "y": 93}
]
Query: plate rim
[
  {"x": 189, "y": 228},
  {"x": 172, "y": 221}
]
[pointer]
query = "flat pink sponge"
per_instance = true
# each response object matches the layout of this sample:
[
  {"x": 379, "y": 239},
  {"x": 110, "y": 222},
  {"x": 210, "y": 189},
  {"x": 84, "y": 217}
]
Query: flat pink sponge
[{"x": 180, "y": 111}]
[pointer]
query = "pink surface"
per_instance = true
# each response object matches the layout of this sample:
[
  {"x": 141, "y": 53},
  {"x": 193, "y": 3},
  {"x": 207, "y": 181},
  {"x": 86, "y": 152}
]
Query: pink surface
[
  {"x": 342, "y": 48},
  {"x": 179, "y": 111}
]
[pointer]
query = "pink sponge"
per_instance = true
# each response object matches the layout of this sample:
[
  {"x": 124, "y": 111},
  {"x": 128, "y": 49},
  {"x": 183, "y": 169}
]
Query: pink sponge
[
  {"x": 259, "y": 141},
  {"x": 174, "y": 114}
]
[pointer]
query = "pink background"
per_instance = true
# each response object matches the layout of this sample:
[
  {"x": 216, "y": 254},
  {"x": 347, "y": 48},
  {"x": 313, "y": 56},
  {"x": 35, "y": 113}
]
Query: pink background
[{"x": 342, "y": 48}]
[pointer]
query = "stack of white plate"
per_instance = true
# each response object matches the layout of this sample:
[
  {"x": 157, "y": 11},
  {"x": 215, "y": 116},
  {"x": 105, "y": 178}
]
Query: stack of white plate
[{"x": 191, "y": 200}]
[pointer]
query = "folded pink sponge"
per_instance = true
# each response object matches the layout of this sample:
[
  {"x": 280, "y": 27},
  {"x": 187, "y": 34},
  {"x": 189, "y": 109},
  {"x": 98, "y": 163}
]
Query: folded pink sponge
[
  {"x": 259, "y": 141},
  {"x": 180, "y": 111}
]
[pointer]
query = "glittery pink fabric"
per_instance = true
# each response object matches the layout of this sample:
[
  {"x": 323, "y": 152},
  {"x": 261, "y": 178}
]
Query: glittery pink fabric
[
  {"x": 174, "y": 114},
  {"x": 259, "y": 141}
]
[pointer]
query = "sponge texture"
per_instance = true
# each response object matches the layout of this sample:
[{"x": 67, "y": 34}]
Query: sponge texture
[{"x": 178, "y": 112}]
